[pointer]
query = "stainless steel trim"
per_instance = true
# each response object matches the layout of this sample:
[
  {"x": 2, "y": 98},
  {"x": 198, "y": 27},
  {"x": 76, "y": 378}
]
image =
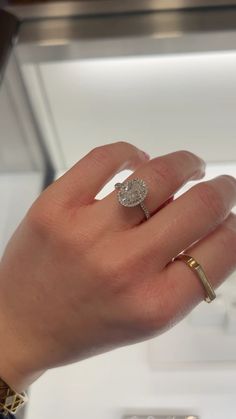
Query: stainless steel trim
[
  {"x": 98, "y": 7},
  {"x": 34, "y": 154},
  {"x": 9, "y": 26},
  {"x": 34, "y": 136},
  {"x": 159, "y": 25}
]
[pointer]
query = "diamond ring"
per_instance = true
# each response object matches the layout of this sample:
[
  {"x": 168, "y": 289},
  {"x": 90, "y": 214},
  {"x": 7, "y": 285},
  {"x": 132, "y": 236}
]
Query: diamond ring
[{"x": 132, "y": 193}]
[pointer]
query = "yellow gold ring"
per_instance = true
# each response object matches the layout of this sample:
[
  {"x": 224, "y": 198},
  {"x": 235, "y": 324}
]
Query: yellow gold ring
[{"x": 196, "y": 267}]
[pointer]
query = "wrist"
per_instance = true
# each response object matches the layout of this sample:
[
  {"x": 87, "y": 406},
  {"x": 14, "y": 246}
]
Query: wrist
[
  {"x": 15, "y": 380},
  {"x": 14, "y": 369},
  {"x": 17, "y": 367}
]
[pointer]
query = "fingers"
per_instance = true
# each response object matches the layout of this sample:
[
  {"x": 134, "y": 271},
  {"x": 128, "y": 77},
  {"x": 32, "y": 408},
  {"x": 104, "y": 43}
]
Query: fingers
[
  {"x": 163, "y": 176},
  {"x": 86, "y": 178},
  {"x": 178, "y": 290},
  {"x": 187, "y": 219}
]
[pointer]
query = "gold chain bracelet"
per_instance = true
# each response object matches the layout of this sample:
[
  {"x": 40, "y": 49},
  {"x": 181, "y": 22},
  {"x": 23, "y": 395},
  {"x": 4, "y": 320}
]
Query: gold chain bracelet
[{"x": 10, "y": 400}]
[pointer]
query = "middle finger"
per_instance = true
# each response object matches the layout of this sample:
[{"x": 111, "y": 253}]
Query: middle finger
[{"x": 164, "y": 176}]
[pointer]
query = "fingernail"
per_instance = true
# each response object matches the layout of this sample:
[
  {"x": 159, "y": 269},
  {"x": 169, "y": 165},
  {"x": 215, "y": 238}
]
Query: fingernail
[
  {"x": 203, "y": 163},
  {"x": 145, "y": 155},
  {"x": 202, "y": 173}
]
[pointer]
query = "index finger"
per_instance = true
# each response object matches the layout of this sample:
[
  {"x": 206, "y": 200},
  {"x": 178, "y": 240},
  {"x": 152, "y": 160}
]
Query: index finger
[{"x": 80, "y": 184}]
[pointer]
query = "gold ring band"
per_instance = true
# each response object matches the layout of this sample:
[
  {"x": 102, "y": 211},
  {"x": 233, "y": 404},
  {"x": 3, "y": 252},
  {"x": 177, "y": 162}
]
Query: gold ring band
[{"x": 196, "y": 267}]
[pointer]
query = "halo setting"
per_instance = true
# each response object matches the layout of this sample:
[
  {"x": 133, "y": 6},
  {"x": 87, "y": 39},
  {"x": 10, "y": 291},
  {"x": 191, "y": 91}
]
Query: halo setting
[{"x": 131, "y": 192}]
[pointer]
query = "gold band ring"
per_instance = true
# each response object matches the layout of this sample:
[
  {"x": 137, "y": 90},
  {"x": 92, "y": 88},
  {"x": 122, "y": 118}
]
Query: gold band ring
[{"x": 196, "y": 267}]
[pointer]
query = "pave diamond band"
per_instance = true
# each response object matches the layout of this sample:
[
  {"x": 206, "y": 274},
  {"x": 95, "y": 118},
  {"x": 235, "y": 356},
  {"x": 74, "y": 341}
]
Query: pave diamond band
[{"x": 132, "y": 193}]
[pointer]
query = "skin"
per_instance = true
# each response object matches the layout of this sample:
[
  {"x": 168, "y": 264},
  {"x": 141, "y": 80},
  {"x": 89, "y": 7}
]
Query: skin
[{"x": 80, "y": 276}]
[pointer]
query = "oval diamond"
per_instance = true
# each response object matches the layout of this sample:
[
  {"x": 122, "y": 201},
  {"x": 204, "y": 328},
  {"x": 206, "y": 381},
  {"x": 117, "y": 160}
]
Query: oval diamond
[{"x": 132, "y": 192}]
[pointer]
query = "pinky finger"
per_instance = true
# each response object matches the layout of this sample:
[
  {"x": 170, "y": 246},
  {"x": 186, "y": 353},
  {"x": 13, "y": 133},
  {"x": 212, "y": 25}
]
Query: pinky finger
[{"x": 179, "y": 289}]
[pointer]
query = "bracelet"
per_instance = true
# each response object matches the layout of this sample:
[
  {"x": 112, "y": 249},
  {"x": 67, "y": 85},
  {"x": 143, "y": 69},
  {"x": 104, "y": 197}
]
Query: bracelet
[{"x": 10, "y": 400}]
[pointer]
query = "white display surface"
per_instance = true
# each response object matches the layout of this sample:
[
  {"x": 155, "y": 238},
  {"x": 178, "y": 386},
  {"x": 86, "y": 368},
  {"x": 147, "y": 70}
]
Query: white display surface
[{"x": 121, "y": 382}]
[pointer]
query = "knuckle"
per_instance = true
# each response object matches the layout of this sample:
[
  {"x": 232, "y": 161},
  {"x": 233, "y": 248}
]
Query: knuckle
[
  {"x": 110, "y": 267},
  {"x": 191, "y": 160},
  {"x": 164, "y": 171},
  {"x": 117, "y": 269},
  {"x": 127, "y": 148},
  {"x": 189, "y": 155},
  {"x": 124, "y": 144},
  {"x": 40, "y": 217},
  {"x": 176, "y": 169},
  {"x": 231, "y": 181},
  {"x": 111, "y": 276},
  {"x": 211, "y": 199},
  {"x": 159, "y": 317},
  {"x": 49, "y": 221},
  {"x": 125, "y": 267},
  {"x": 151, "y": 320},
  {"x": 100, "y": 154},
  {"x": 228, "y": 239},
  {"x": 150, "y": 314}
]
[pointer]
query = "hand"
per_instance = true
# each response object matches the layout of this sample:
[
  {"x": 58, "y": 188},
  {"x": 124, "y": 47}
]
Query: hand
[{"x": 81, "y": 276}]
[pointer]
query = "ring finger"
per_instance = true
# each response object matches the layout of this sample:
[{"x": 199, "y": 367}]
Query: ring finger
[{"x": 164, "y": 176}]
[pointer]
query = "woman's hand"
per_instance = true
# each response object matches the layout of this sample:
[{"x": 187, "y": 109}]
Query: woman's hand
[{"x": 80, "y": 276}]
